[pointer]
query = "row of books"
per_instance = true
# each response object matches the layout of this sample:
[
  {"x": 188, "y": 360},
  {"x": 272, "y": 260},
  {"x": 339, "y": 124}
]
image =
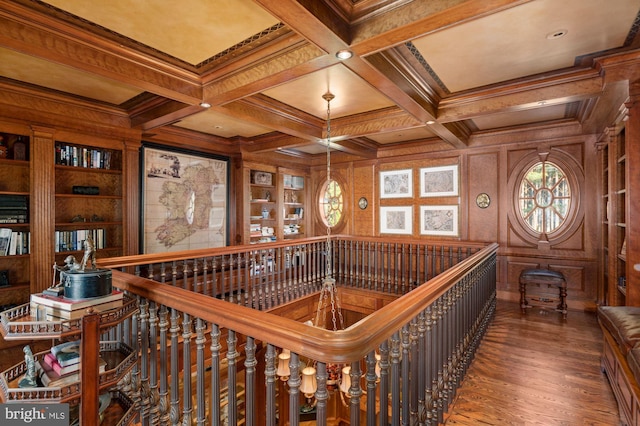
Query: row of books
[
  {"x": 46, "y": 307},
  {"x": 14, "y": 242},
  {"x": 69, "y": 155},
  {"x": 14, "y": 208},
  {"x": 61, "y": 365},
  {"x": 74, "y": 240}
]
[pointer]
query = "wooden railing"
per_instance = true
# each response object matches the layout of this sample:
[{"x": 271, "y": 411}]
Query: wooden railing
[{"x": 206, "y": 315}]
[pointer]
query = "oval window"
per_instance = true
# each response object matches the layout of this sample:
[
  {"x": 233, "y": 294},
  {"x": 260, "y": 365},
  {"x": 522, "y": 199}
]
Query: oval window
[
  {"x": 544, "y": 197},
  {"x": 331, "y": 203}
]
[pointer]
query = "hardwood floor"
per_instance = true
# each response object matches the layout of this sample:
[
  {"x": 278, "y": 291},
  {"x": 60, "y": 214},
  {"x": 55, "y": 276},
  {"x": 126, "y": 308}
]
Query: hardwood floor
[{"x": 536, "y": 369}]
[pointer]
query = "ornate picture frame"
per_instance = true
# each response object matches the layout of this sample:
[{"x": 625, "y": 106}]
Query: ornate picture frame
[
  {"x": 396, "y": 184},
  {"x": 439, "y": 220},
  {"x": 185, "y": 199},
  {"x": 441, "y": 181},
  {"x": 396, "y": 220}
]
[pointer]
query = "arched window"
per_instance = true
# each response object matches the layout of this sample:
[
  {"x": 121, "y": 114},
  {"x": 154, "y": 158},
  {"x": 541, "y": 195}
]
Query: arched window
[
  {"x": 544, "y": 197},
  {"x": 331, "y": 203}
]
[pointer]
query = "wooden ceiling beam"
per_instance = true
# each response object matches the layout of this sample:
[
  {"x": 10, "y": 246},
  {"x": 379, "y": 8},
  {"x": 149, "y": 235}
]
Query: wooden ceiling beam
[
  {"x": 411, "y": 20},
  {"x": 320, "y": 31},
  {"x": 360, "y": 147},
  {"x": 550, "y": 90},
  {"x": 261, "y": 111},
  {"x": 274, "y": 142},
  {"x": 314, "y": 20}
]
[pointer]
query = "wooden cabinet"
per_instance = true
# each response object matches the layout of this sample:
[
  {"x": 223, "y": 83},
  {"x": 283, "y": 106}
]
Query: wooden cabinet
[
  {"x": 88, "y": 200},
  {"x": 262, "y": 206},
  {"x": 275, "y": 204},
  {"x": 294, "y": 204},
  {"x": 620, "y": 202},
  {"x": 67, "y": 200},
  {"x": 615, "y": 205},
  {"x": 14, "y": 185}
]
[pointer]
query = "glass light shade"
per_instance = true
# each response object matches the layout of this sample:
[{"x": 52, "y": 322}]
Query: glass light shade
[
  {"x": 345, "y": 383},
  {"x": 309, "y": 385},
  {"x": 283, "y": 365}
]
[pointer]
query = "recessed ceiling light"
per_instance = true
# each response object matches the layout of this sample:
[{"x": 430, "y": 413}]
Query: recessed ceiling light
[
  {"x": 430, "y": 122},
  {"x": 557, "y": 34},
  {"x": 205, "y": 104},
  {"x": 344, "y": 54}
]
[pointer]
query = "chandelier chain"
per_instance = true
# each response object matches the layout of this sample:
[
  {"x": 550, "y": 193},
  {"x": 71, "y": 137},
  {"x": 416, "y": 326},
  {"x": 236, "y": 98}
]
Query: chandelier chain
[{"x": 328, "y": 97}]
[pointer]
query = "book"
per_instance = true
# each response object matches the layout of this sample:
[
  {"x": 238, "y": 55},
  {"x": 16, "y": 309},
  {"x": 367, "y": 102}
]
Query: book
[
  {"x": 50, "y": 379},
  {"x": 57, "y": 314},
  {"x": 69, "y": 346},
  {"x": 68, "y": 355},
  {"x": 66, "y": 304},
  {"x": 61, "y": 370},
  {"x": 5, "y": 241}
]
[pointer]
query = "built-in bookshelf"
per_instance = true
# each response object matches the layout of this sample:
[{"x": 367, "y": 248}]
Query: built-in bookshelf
[
  {"x": 619, "y": 181},
  {"x": 275, "y": 205},
  {"x": 89, "y": 199},
  {"x": 14, "y": 219},
  {"x": 262, "y": 206},
  {"x": 294, "y": 203}
]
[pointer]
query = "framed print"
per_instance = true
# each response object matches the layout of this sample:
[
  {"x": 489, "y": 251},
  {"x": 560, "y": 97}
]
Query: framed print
[
  {"x": 288, "y": 181},
  {"x": 396, "y": 220},
  {"x": 439, "y": 181},
  {"x": 261, "y": 178},
  {"x": 396, "y": 184},
  {"x": 439, "y": 220},
  {"x": 185, "y": 198}
]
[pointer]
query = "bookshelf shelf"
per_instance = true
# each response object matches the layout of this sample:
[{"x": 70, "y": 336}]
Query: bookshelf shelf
[
  {"x": 119, "y": 357},
  {"x": 18, "y": 323},
  {"x": 15, "y": 183}
]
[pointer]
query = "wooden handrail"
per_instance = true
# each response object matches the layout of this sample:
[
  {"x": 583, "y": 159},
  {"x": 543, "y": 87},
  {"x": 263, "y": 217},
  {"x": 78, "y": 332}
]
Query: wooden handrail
[
  {"x": 142, "y": 259},
  {"x": 319, "y": 344}
]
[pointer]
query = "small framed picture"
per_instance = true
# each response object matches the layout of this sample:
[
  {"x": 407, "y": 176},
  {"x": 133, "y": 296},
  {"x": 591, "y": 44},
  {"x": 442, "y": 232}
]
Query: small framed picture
[
  {"x": 396, "y": 184},
  {"x": 439, "y": 220},
  {"x": 297, "y": 182},
  {"x": 439, "y": 181},
  {"x": 261, "y": 178},
  {"x": 396, "y": 220}
]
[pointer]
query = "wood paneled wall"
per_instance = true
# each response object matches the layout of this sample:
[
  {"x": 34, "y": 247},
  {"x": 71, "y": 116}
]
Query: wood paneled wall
[{"x": 496, "y": 170}]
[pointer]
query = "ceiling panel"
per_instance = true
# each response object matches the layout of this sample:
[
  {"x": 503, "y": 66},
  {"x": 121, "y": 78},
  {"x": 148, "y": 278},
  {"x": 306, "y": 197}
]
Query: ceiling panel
[
  {"x": 352, "y": 94},
  {"x": 483, "y": 54},
  {"x": 402, "y": 136},
  {"x": 191, "y": 30},
  {"x": 513, "y": 43},
  {"x": 534, "y": 115},
  {"x": 215, "y": 123},
  {"x": 43, "y": 73}
]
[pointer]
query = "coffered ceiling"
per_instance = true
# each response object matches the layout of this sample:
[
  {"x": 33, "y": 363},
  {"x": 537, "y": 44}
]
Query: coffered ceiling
[{"x": 433, "y": 72}]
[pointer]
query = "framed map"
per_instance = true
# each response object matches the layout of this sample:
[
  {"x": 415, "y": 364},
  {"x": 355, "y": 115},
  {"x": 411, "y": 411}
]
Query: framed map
[
  {"x": 439, "y": 181},
  {"x": 185, "y": 200},
  {"x": 396, "y": 184},
  {"x": 396, "y": 220},
  {"x": 439, "y": 220}
]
